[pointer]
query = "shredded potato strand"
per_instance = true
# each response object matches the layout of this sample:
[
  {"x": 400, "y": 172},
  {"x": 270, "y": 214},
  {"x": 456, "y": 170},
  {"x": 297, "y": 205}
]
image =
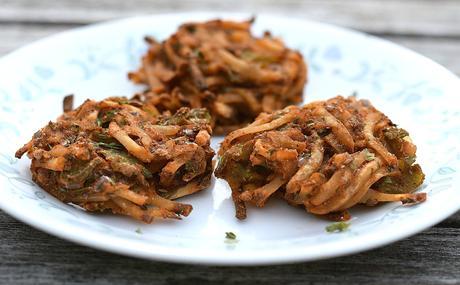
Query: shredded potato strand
[{"x": 260, "y": 195}]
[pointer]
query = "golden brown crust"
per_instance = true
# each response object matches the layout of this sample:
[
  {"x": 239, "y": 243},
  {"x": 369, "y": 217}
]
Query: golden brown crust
[
  {"x": 114, "y": 156},
  {"x": 220, "y": 66},
  {"x": 325, "y": 156}
]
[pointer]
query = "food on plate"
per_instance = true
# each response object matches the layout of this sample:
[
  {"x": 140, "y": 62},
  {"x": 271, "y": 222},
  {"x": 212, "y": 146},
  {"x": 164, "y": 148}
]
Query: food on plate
[
  {"x": 113, "y": 155},
  {"x": 221, "y": 66},
  {"x": 326, "y": 156}
]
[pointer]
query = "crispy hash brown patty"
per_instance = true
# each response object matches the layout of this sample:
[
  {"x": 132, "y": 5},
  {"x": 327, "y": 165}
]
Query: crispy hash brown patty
[
  {"x": 114, "y": 156},
  {"x": 326, "y": 156},
  {"x": 220, "y": 66}
]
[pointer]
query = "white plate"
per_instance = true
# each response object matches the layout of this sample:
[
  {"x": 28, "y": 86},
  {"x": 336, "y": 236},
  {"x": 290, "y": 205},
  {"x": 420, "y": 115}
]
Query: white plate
[{"x": 92, "y": 62}]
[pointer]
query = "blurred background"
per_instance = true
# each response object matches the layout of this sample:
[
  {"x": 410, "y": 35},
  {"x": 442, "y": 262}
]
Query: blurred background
[{"x": 431, "y": 27}]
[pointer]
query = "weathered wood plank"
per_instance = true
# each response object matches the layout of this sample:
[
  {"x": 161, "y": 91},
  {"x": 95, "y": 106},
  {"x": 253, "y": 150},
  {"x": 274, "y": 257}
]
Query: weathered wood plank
[
  {"x": 28, "y": 256},
  {"x": 451, "y": 222},
  {"x": 415, "y": 17}
]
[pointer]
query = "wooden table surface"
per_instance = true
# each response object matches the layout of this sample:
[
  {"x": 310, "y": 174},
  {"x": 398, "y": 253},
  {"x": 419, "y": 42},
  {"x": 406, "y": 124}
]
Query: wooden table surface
[{"x": 431, "y": 27}]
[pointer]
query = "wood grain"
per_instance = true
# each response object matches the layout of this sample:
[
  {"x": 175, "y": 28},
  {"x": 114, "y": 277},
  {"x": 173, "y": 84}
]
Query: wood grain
[{"x": 411, "y": 17}]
